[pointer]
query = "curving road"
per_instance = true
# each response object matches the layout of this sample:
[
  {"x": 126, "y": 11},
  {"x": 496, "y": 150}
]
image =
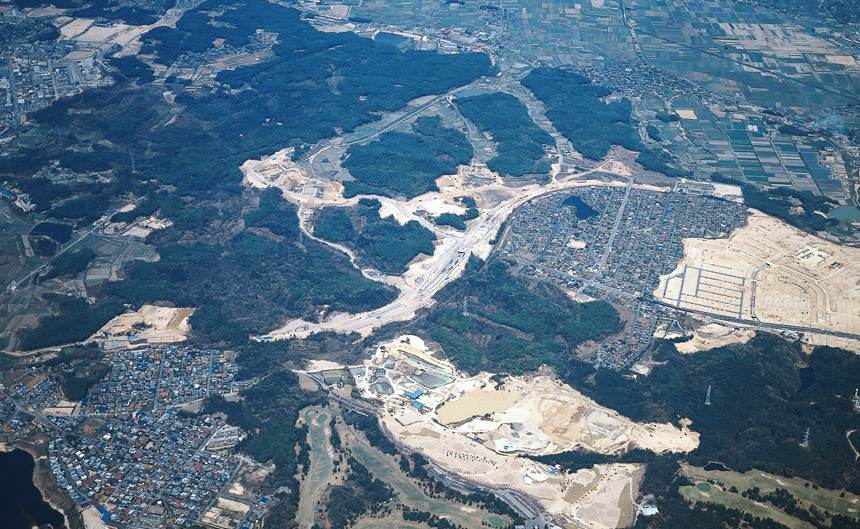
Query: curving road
[{"x": 444, "y": 267}]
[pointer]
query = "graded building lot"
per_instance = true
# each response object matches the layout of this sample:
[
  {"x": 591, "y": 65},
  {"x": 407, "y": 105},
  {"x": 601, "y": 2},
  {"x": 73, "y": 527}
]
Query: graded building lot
[
  {"x": 75, "y": 27},
  {"x": 830, "y": 501},
  {"x": 148, "y": 325},
  {"x": 770, "y": 272},
  {"x": 484, "y": 441},
  {"x": 225, "y": 514},
  {"x": 92, "y": 518},
  {"x": 713, "y": 335}
]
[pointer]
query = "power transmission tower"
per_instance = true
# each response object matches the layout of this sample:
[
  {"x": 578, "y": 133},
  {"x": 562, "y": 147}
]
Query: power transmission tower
[
  {"x": 708, "y": 396},
  {"x": 220, "y": 211},
  {"x": 133, "y": 166},
  {"x": 856, "y": 400},
  {"x": 465, "y": 306},
  {"x": 805, "y": 442}
]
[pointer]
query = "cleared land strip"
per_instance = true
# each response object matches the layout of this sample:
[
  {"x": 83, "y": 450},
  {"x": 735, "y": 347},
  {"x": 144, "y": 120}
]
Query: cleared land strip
[{"x": 754, "y": 323}]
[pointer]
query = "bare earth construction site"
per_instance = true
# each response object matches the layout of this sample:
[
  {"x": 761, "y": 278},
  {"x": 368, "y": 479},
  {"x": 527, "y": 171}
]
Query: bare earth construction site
[
  {"x": 482, "y": 429},
  {"x": 772, "y": 273}
]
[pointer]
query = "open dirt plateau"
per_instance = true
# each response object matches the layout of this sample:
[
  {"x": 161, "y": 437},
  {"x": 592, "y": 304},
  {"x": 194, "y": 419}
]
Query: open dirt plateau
[
  {"x": 148, "y": 325},
  {"x": 479, "y": 429},
  {"x": 713, "y": 335},
  {"x": 774, "y": 273}
]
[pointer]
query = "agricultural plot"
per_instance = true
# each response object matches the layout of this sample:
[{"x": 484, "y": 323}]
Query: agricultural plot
[{"x": 743, "y": 49}]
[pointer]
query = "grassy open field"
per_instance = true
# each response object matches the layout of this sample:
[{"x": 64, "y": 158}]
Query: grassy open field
[
  {"x": 392, "y": 521},
  {"x": 321, "y": 468},
  {"x": 736, "y": 501},
  {"x": 410, "y": 493},
  {"x": 831, "y": 501}
]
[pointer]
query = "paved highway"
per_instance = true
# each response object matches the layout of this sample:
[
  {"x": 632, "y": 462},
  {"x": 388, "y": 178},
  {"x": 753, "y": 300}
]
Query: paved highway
[{"x": 757, "y": 324}]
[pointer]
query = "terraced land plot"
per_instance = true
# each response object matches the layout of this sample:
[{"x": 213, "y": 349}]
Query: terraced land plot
[{"x": 770, "y": 272}]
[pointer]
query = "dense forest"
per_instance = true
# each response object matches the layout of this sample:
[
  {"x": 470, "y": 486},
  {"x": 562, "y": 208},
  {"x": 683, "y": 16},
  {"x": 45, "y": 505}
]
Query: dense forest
[
  {"x": 305, "y": 93},
  {"x": 253, "y": 281},
  {"x": 519, "y": 141},
  {"x": 381, "y": 243},
  {"x": 577, "y": 108},
  {"x": 359, "y": 493},
  {"x": 77, "y": 369},
  {"x": 190, "y": 147},
  {"x": 74, "y": 320},
  {"x": 106, "y": 9},
  {"x": 69, "y": 264},
  {"x": 511, "y": 326},
  {"x": 407, "y": 164},
  {"x": 133, "y": 68},
  {"x": 762, "y": 401},
  {"x": 779, "y": 202},
  {"x": 273, "y": 215}
]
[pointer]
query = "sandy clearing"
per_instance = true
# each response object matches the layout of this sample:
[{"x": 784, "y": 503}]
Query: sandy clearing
[
  {"x": 714, "y": 335},
  {"x": 102, "y": 33},
  {"x": 388, "y": 210},
  {"x": 844, "y": 60},
  {"x": 75, "y": 27},
  {"x": 44, "y": 12},
  {"x": 155, "y": 325},
  {"x": 435, "y": 206},
  {"x": 93, "y": 518},
  {"x": 323, "y": 365},
  {"x": 619, "y": 168},
  {"x": 814, "y": 340}
]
